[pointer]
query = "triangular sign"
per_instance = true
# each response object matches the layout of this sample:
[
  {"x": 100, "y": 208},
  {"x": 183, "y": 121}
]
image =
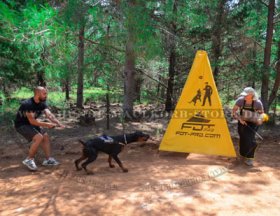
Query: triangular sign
[{"x": 198, "y": 123}]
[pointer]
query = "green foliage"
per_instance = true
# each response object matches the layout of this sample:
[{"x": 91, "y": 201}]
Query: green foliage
[
  {"x": 38, "y": 38},
  {"x": 8, "y": 111},
  {"x": 74, "y": 14},
  {"x": 22, "y": 93}
]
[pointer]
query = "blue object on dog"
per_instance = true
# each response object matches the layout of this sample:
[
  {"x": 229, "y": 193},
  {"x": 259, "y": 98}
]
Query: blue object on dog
[{"x": 106, "y": 139}]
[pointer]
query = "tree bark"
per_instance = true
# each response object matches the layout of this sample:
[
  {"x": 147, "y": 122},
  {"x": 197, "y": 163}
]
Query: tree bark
[
  {"x": 80, "y": 89},
  {"x": 129, "y": 78},
  {"x": 41, "y": 79},
  {"x": 67, "y": 89},
  {"x": 108, "y": 107},
  {"x": 276, "y": 85},
  {"x": 129, "y": 68},
  {"x": 267, "y": 55},
  {"x": 170, "y": 83},
  {"x": 41, "y": 73},
  {"x": 138, "y": 84},
  {"x": 169, "y": 106},
  {"x": 217, "y": 38}
]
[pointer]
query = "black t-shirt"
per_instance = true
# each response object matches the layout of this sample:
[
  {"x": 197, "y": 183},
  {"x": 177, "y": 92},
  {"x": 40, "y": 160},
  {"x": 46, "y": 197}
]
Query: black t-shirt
[{"x": 29, "y": 105}]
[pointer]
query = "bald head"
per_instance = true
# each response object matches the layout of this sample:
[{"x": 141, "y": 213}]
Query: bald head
[
  {"x": 40, "y": 93},
  {"x": 38, "y": 89}
]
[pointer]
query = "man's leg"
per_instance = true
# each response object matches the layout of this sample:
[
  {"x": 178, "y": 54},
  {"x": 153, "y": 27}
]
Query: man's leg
[
  {"x": 46, "y": 145},
  {"x": 49, "y": 161},
  {"x": 32, "y": 134},
  {"x": 36, "y": 141},
  {"x": 29, "y": 161}
]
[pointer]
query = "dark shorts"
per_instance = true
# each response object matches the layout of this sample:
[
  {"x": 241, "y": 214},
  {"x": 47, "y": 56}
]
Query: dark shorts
[{"x": 29, "y": 131}]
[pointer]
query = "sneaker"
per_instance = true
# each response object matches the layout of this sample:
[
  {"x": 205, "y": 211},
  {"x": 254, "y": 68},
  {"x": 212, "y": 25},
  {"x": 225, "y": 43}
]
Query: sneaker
[
  {"x": 50, "y": 162},
  {"x": 249, "y": 162},
  {"x": 30, "y": 164}
]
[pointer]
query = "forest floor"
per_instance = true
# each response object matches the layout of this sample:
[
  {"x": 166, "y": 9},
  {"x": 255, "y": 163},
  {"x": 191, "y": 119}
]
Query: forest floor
[{"x": 158, "y": 183}]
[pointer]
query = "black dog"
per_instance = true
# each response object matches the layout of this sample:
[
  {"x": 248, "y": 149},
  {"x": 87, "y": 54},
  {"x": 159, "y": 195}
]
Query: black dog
[{"x": 109, "y": 145}]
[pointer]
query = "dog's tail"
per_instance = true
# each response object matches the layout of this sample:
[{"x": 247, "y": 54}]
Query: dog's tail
[{"x": 82, "y": 142}]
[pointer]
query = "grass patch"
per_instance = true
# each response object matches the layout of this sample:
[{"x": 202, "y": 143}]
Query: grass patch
[
  {"x": 22, "y": 93},
  {"x": 2, "y": 96},
  {"x": 57, "y": 98}
]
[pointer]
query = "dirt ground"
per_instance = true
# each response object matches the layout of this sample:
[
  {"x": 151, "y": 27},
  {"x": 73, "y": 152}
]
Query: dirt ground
[{"x": 162, "y": 183}]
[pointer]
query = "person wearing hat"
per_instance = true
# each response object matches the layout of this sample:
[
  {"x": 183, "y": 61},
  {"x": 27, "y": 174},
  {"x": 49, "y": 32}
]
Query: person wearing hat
[{"x": 250, "y": 108}]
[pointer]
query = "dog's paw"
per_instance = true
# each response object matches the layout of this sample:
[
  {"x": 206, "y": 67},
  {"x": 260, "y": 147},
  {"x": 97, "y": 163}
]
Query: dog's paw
[
  {"x": 125, "y": 170},
  {"x": 78, "y": 169},
  {"x": 111, "y": 165}
]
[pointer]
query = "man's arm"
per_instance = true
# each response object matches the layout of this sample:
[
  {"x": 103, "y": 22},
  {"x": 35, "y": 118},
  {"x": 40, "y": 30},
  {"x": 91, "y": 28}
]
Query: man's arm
[
  {"x": 259, "y": 107},
  {"x": 52, "y": 118},
  {"x": 35, "y": 122},
  {"x": 236, "y": 116},
  {"x": 234, "y": 110}
]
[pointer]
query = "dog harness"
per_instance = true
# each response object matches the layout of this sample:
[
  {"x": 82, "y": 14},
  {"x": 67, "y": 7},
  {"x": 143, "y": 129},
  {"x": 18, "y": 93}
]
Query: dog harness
[{"x": 106, "y": 139}]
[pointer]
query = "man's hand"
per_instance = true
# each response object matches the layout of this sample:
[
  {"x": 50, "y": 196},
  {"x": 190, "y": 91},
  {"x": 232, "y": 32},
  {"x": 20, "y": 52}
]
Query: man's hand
[
  {"x": 52, "y": 118},
  {"x": 235, "y": 116},
  {"x": 61, "y": 126},
  {"x": 51, "y": 125},
  {"x": 242, "y": 122}
]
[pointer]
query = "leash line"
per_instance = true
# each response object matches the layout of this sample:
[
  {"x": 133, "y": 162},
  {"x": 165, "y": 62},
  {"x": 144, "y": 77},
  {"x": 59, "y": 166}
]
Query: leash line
[
  {"x": 258, "y": 135},
  {"x": 125, "y": 140}
]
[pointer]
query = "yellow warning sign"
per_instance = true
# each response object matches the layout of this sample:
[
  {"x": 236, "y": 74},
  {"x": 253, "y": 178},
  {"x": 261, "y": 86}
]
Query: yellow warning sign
[{"x": 198, "y": 123}]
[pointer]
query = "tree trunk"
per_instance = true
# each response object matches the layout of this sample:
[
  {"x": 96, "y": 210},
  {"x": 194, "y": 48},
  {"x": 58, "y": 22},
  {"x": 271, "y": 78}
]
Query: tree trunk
[
  {"x": 41, "y": 79},
  {"x": 129, "y": 79},
  {"x": 40, "y": 70},
  {"x": 129, "y": 68},
  {"x": 267, "y": 55},
  {"x": 80, "y": 89},
  {"x": 67, "y": 89},
  {"x": 217, "y": 38},
  {"x": 170, "y": 84},
  {"x": 138, "y": 84},
  {"x": 108, "y": 107},
  {"x": 276, "y": 85},
  {"x": 169, "y": 106}
]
